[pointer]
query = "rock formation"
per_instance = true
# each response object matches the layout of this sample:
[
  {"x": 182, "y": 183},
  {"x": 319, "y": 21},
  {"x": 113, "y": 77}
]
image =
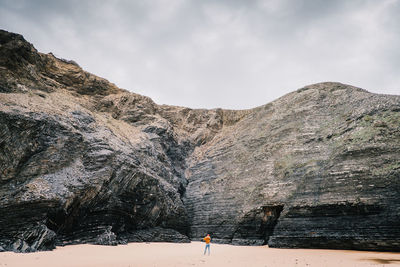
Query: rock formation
[
  {"x": 82, "y": 161},
  {"x": 319, "y": 167}
]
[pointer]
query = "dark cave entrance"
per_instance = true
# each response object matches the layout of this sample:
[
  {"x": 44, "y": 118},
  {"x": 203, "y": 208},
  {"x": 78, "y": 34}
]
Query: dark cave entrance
[{"x": 256, "y": 226}]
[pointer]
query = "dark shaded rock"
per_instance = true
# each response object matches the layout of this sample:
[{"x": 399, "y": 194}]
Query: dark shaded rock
[
  {"x": 156, "y": 234},
  {"x": 73, "y": 174},
  {"x": 257, "y": 226},
  {"x": 341, "y": 226},
  {"x": 106, "y": 238},
  {"x": 33, "y": 239},
  {"x": 36, "y": 238},
  {"x": 82, "y": 161}
]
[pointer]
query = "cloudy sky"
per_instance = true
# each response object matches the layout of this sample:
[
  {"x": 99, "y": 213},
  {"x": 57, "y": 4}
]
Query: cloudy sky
[{"x": 230, "y": 54}]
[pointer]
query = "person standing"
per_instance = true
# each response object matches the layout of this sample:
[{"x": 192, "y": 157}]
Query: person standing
[{"x": 207, "y": 239}]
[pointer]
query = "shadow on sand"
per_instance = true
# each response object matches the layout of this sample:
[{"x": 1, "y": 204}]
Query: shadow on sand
[{"x": 383, "y": 261}]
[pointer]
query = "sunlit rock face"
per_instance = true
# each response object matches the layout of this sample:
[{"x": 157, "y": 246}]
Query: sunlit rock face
[{"x": 82, "y": 161}]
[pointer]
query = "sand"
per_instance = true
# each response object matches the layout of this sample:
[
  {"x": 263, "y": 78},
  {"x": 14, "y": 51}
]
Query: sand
[{"x": 170, "y": 254}]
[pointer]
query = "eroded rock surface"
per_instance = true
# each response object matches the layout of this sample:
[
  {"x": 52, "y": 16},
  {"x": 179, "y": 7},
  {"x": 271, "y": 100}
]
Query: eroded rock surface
[
  {"x": 328, "y": 154},
  {"x": 82, "y": 161}
]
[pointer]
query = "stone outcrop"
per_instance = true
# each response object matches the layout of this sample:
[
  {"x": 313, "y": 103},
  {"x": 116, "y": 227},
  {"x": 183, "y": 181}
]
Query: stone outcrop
[
  {"x": 82, "y": 161},
  {"x": 321, "y": 163}
]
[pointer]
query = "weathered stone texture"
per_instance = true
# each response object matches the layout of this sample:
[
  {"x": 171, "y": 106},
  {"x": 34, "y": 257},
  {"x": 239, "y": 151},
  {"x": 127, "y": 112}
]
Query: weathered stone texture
[
  {"x": 328, "y": 154},
  {"x": 82, "y": 161}
]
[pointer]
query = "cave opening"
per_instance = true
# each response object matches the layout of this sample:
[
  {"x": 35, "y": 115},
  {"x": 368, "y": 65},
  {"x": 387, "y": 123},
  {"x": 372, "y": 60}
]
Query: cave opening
[{"x": 257, "y": 225}]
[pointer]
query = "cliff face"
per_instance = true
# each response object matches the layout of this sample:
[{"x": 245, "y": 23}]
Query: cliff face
[
  {"x": 82, "y": 161},
  {"x": 318, "y": 167}
]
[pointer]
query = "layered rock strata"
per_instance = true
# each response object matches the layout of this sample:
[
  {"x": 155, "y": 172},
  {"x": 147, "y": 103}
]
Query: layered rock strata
[
  {"x": 321, "y": 163},
  {"x": 82, "y": 161}
]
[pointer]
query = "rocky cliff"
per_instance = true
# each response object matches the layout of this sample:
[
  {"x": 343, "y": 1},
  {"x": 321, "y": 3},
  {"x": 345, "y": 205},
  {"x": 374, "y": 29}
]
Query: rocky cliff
[
  {"x": 319, "y": 167},
  {"x": 82, "y": 161}
]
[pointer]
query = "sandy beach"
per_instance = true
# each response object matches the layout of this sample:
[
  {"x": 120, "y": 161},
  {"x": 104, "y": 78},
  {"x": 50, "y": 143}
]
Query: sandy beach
[{"x": 170, "y": 254}]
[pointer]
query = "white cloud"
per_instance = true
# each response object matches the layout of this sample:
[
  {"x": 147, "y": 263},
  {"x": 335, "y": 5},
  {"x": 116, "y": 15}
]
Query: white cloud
[{"x": 230, "y": 54}]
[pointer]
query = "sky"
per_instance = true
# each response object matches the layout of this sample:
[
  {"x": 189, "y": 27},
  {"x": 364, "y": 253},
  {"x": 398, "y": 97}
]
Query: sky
[{"x": 218, "y": 54}]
